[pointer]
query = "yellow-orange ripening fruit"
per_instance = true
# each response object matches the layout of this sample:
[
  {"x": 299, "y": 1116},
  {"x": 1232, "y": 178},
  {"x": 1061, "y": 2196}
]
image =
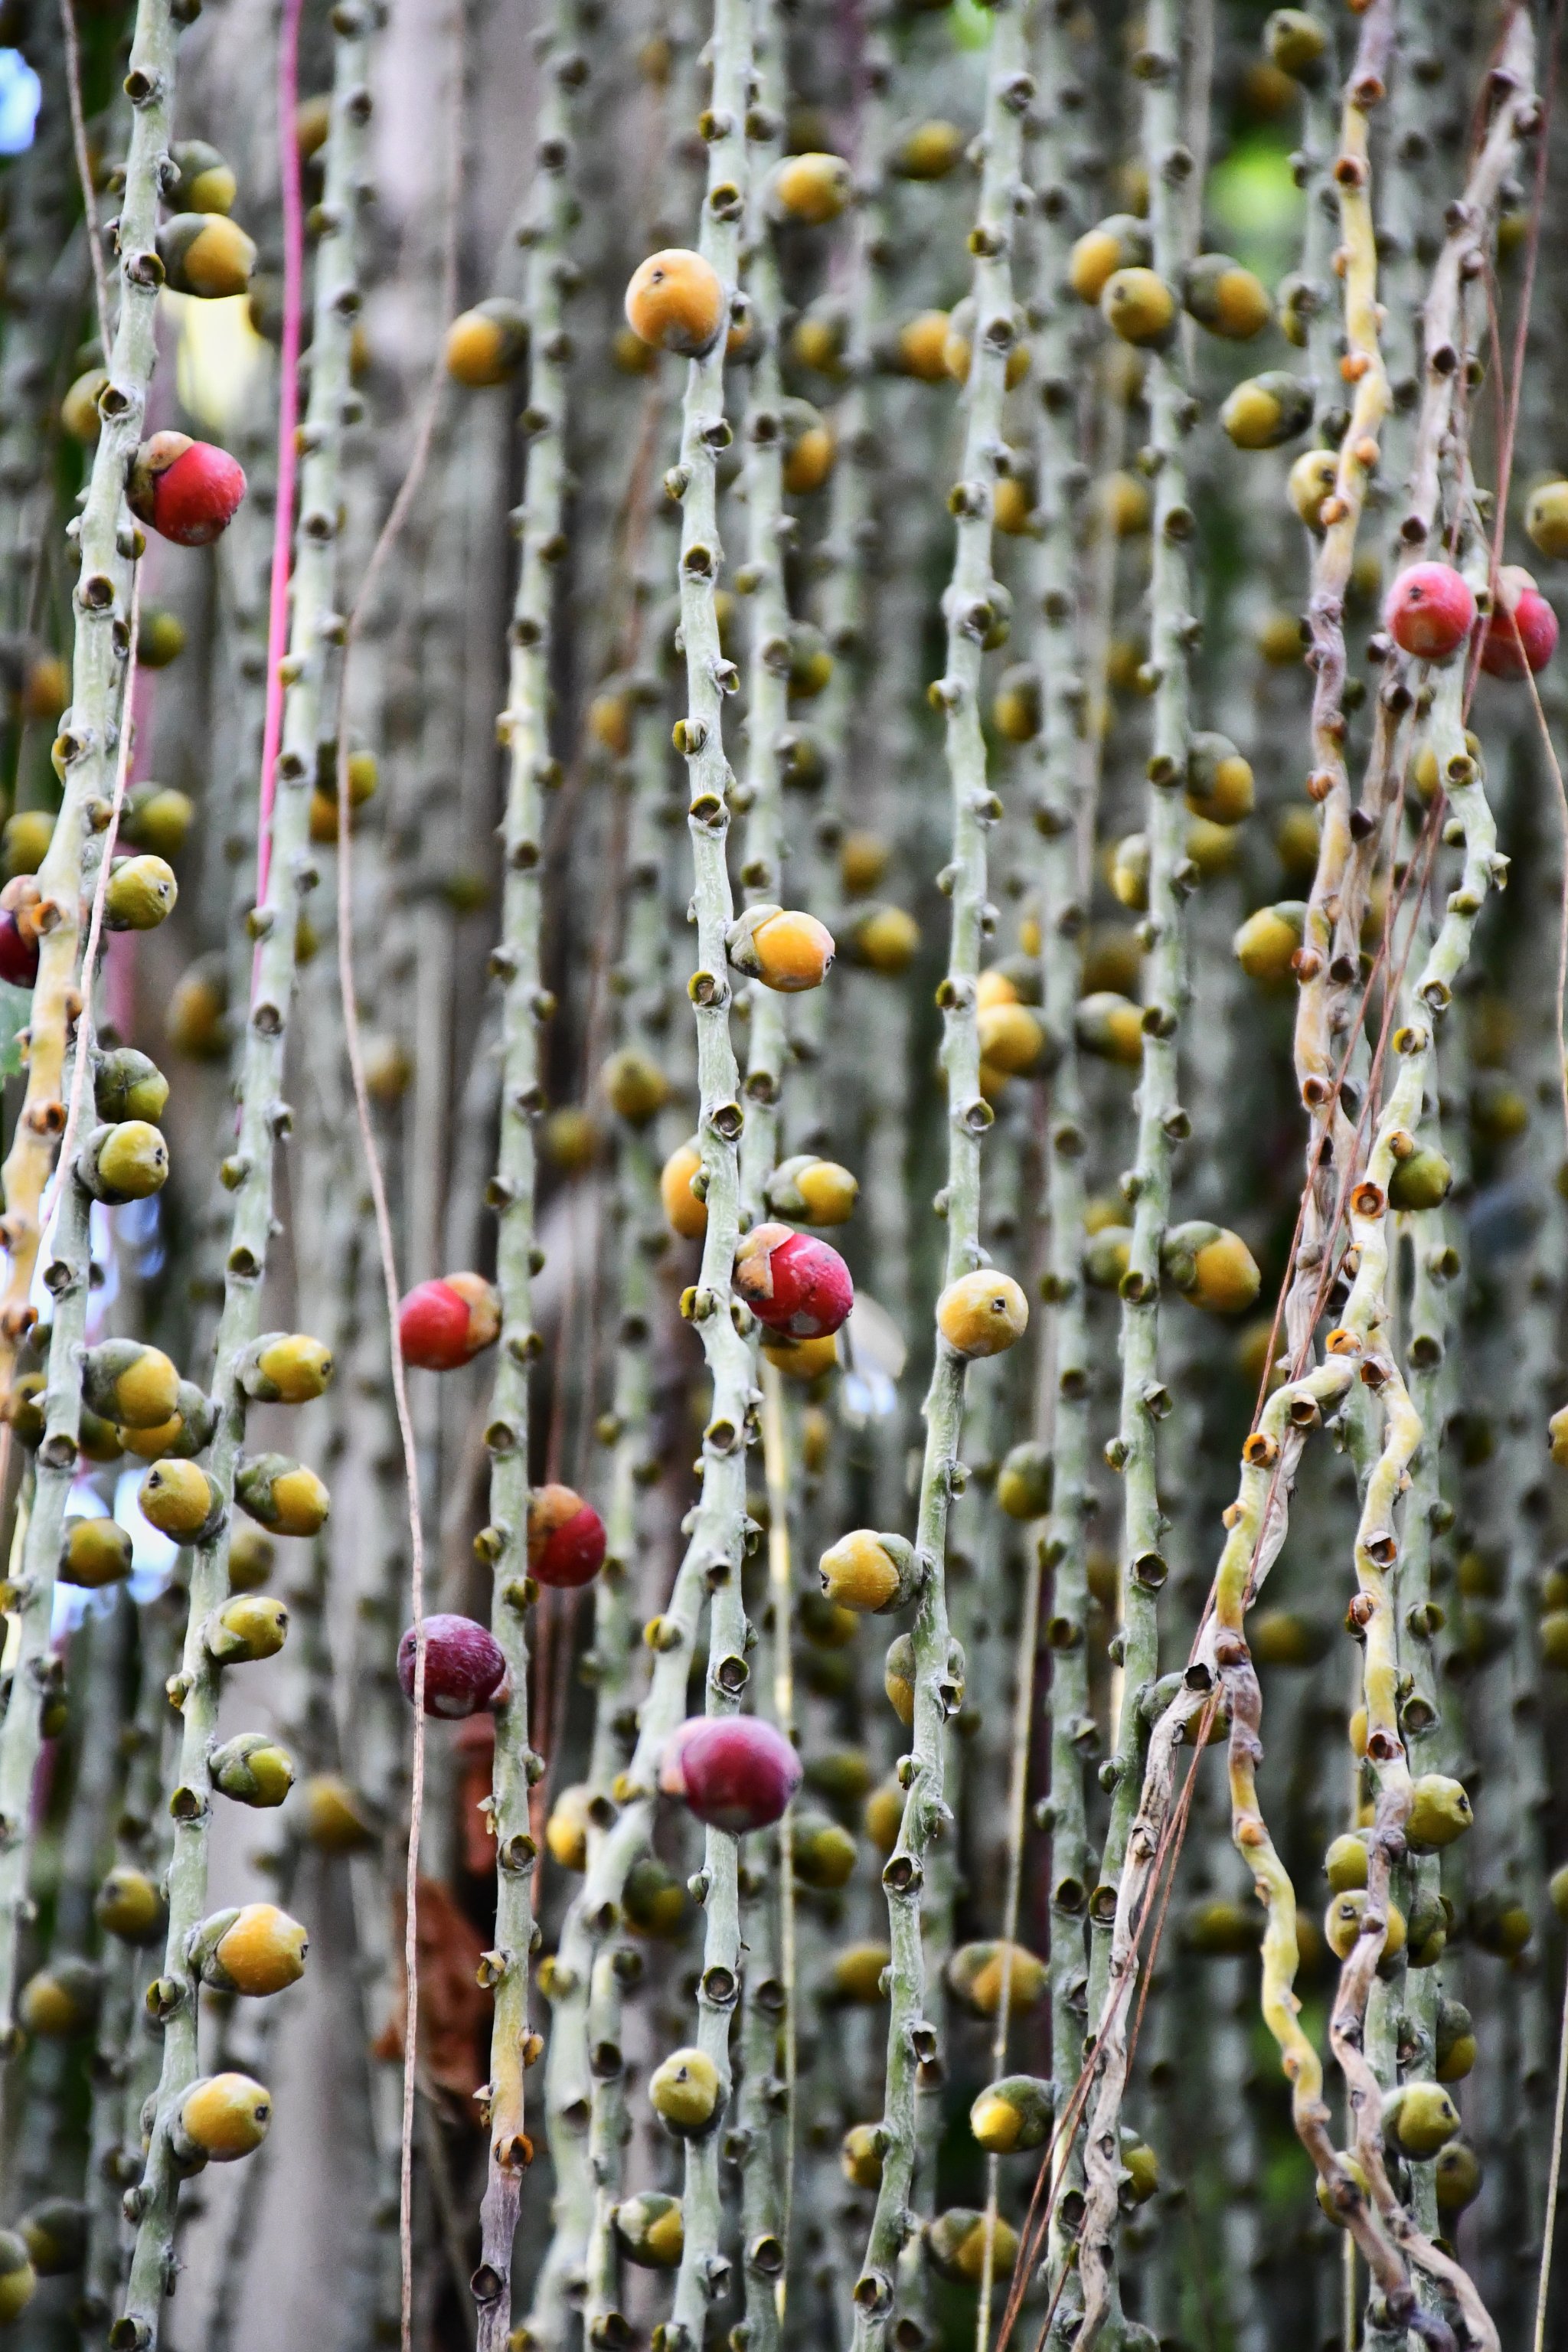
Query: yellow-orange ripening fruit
[
  {"x": 819, "y": 339},
  {"x": 204, "y": 183},
  {"x": 1013, "y": 1040},
  {"x": 1280, "y": 641},
  {"x": 61, "y": 2001},
  {"x": 808, "y": 448},
  {"x": 249, "y": 1627},
  {"x": 45, "y": 687},
  {"x": 1295, "y": 841},
  {"x": 863, "y": 860},
  {"x": 815, "y": 1192},
  {"x": 965, "y": 2247},
  {"x": 684, "y": 1212},
  {"x": 282, "y": 1494},
  {"x": 221, "y": 2117},
  {"x": 884, "y": 1816},
  {"x": 983, "y": 1313},
  {"x": 608, "y": 720},
  {"x": 178, "y": 1498},
  {"x": 1013, "y": 2115},
  {"x": 251, "y": 1557},
  {"x": 810, "y": 188},
  {"x": 823, "y": 1853},
  {"x": 78, "y": 409},
  {"x": 488, "y": 345},
  {"x": 571, "y": 1139},
  {"x": 18, "y": 2279},
  {"x": 1025, "y": 1481},
  {"x": 1016, "y": 709},
  {"x": 335, "y": 1818},
  {"x": 255, "y": 1950},
  {"x": 1268, "y": 941},
  {"x": 860, "y": 2154},
  {"x": 130, "y": 1383},
  {"x": 1110, "y": 1026},
  {"x": 979, "y": 1974},
  {"x": 1557, "y": 1437},
  {"x": 1210, "y": 1266},
  {"x": 205, "y": 254},
  {"x": 1123, "y": 504},
  {"x": 957, "y": 349},
  {"x": 1266, "y": 410},
  {"x": 1137, "y": 305},
  {"x": 1545, "y": 517},
  {"x": 141, "y": 894},
  {"x": 131, "y": 1905},
  {"x": 867, "y": 1572},
  {"x": 196, "y": 1023},
  {"x": 676, "y": 302},
  {"x": 313, "y": 120},
  {"x": 884, "y": 939},
  {"x": 920, "y": 347},
  {"x": 684, "y": 2091},
  {"x": 566, "y": 1831},
  {"x": 289, "y": 1367},
  {"x": 855, "y": 1975},
  {"x": 929, "y": 152},
  {"x": 1225, "y": 298},
  {"x": 25, "y": 842},
  {"x": 95, "y": 1552},
  {"x": 784, "y": 949},
  {"x": 1120, "y": 243},
  {"x": 1311, "y": 481},
  {"x": 1220, "y": 780},
  {"x": 802, "y": 1359},
  {"x": 1012, "y": 504},
  {"x": 635, "y": 1088}
]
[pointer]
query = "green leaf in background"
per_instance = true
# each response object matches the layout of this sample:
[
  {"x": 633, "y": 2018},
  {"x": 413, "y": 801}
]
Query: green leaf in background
[
  {"x": 1254, "y": 206},
  {"x": 972, "y": 25}
]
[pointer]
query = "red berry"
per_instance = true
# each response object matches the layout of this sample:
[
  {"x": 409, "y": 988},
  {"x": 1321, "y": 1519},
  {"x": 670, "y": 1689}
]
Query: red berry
[
  {"x": 447, "y": 1322},
  {"x": 1430, "y": 610},
  {"x": 18, "y": 954},
  {"x": 185, "y": 490},
  {"x": 565, "y": 1538},
  {"x": 793, "y": 1282},
  {"x": 734, "y": 1772},
  {"x": 1521, "y": 606},
  {"x": 464, "y": 1667}
]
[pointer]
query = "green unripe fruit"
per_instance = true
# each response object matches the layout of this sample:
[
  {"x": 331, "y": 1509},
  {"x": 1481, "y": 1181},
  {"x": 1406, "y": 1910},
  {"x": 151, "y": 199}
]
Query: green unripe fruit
[
  {"x": 1219, "y": 780},
  {"x": 157, "y": 818},
  {"x": 1225, "y": 298},
  {"x": 1439, "y": 1812},
  {"x": 97, "y": 1440},
  {"x": 134, "y": 1385},
  {"x": 1458, "y": 2177},
  {"x": 127, "y": 1085},
  {"x": 650, "y": 2230},
  {"x": 178, "y": 1498},
  {"x": 55, "y": 2234},
  {"x": 653, "y": 1899},
  {"x": 61, "y": 2001},
  {"x": 288, "y": 1368},
  {"x": 205, "y": 254},
  {"x": 160, "y": 640},
  {"x": 1025, "y": 1481},
  {"x": 18, "y": 2279},
  {"x": 251, "y": 1559},
  {"x": 127, "y": 1161},
  {"x": 25, "y": 1409},
  {"x": 79, "y": 411},
  {"x": 1326, "y": 2196},
  {"x": 1345, "y": 1863},
  {"x": 981, "y": 1976},
  {"x": 1420, "y": 1181},
  {"x": 841, "y": 1776},
  {"x": 964, "y": 2247},
  {"x": 1267, "y": 410},
  {"x": 252, "y": 1625},
  {"x": 1141, "y": 2166},
  {"x": 635, "y": 1088},
  {"x": 282, "y": 1494},
  {"x": 141, "y": 894},
  {"x": 1418, "y": 2119},
  {"x": 823, "y": 1853},
  {"x": 1455, "y": 2041},
  {"x": 685, "y": 2092},
  {"x": 203, "y": 181},
  {"x": 221, "y": 2117},
  {"x": 860, "y": 2154},
  {"x": 95, "y": 1552},
  {"x": 131, "y": 1905},
  {"x": 1013, "y": 2115},
  {"x": 1427, "y": 1931},
  {"x": 1107, "y": 1255},
  {"x": 1557, "y": 1888},
  {"x": 252, "y": 1770},
  {"x": 1546, "y": 518}
]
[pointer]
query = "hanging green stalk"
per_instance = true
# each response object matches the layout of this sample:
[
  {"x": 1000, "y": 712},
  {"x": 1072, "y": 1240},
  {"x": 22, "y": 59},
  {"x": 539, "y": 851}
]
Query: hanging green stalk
[
  {"x": 263, "y": 1118},
  {"x": 969, "y": 608},
  {"x": 524, "y": 728}
]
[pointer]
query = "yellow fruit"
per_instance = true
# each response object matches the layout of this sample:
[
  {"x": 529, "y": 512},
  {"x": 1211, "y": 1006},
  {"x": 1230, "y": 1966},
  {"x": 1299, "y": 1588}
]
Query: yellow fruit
[
  {"x": 566, "y": 1831},
  {"x": 18, "y": 2279},
  {"x": 291, "y": 1369},
  {"x": 860, "y": 2153},
  {"x": 25, "y": 842},
  {"x": 1123, "y": 503},
  {"x": 957, "y": 349},
  {"x": 802, "y": 1359},
  {"x": 260, "y": 1951},
  {"x": 1345, "y": 1864},
  {"x": 1341, "y": 1924},
  {"x": 1129, "y": 872},
  {"x": 249, "y": 1626},
  {"x": 817, "y": 340},
  {"x": 929, "y": 152},
  {"x": 312, "y": 121},
  {"x": 131, "y": 1905},
  {"x": 684, "y": 1212},
  {"x": 1458, "y": 2174},
  {"x": 863, "y": 860},
  {"x": 864, "y": 1570},
  {"x": 126, "y": 1161},
  {"x": 817, "y": 1191},
  {"x": 1420, "y": 2119},
  {"x": 809, "y": 452},
  {"x": 676, "y": 302},
  {"x": 1325, "y": 2194},
  {"x": 1297, "y": 43},
  {"x": 130, "y": 1383},
  {"x": 178, "y": 1498},
  {"x": 1266, "y": 941},
  {"x": 1211, "y": 1266},
  {"x": 571, "y": 1139},
  {"x": 1311, "y": 481},
  {"x": 1439, "y": 1812},
  {"x": 224, "y": 2117},
  {"x": 1219, "y": 780},
  {"x": 921, "y": 343},
  {"x": 487, "y": 345},
  {"x": 251, "y": 1557},
  {"x": 982, "y": 1314},
  {"x": 966, "y": 2247},
  {"x": 884, "y": 938},
  {"x": 1266, "y": 410},
  {"x": 96, "y": 1552},
  {"x": 811, "y": 188},
  {"x": 1225, "y": 298},
  {"x": 1110, "y": 1026},
  {"x": 635, "y": 1088},
  {"x": 1025, "y": 1482},
  {"x": 1545, "y": 518},
  {"x": 205, "y": 182},
  {"x": 823, "y": 1855},
  {"x": 1016, "y": 709},
  {"x": 206, "y": 254},
  {"x": 78, "y": 409},
  {"x": 1120, "y": 243},
  {"x": 1281, "y": 643},
  {"x": 980, "y": 1974},
  {"x": 60, "y": 2001},
  {"x": 282, "y": 1494},
  {"x": 685, "y": 2092},
  {"x": 854, "y": 1974},
  {"x": 158, "y": 818},
  {"x": 1013, "y": 1038},
  {"x": 1011, "y": 2115},
  {"x": 1137, "y": 305},
  {"x": 1012, "y": 504},
  {"x": 336, "y": 1818},
  {"x": 650, "y": 2229},
  {"x": 786, "y": 951},
  {"x": 884, "y": 1816}
]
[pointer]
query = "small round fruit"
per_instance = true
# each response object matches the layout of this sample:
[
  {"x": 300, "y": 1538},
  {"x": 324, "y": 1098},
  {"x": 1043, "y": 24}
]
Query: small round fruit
[
  {"x": 249, "y": 1626},
  {"x": 1454, "y": 2042},
  {"x": 291, "y": 1368},
  {"x": 1267, "y": 943},
  {"x": 208, "y": 255},
  {"x": 18, "y": 952},
  {"x": 1429, "y": 611},
  {"x": 1220, "y": 780},
  {"x": 1421, "y": 1180},
  {"x": 860, "y": 2154},
  {"x": 488, "y": 345},
  {"x": 565, "y": 1538},
  {"x": 635, "y": 1088},
  {"x": 1440, "y": 1812},
  {"x": 1296, "y": 42},
  {"x": 224, "y": 2117},
  {"x": 1545, "y": 517},
  {"x": 1456, "y": 2173},
  {"x": 1025, "y": 1481},
  {"x": 251, "y": 1768},
  {"x": 884, "y": 939},
  {"x": 786, "y": 951},
  {"x": 920, "y": 347},
  {"x": 793, "y": 1283},
  {"x": 1110, "y": 1026},
  {"x": 1211, "y": 1266},
  {"x": 1313, "y": 480},
  {"x": 1420, "y": 2119},
  {"x": 823, "y": 1853},
  {"x": 1225, "y": 298},
  {"x": 126, "y": 1161},
  {"x": 131, "y": 1905},
  {"x": 1013, "y": 1039},
  {"x": 18, "y": 2279},
  {"x": 1122, "y": 242},
  {"x": 1326, "y": 2198},
  {"x": 676, "y": 302},
  {"x": 1016, "y": 709},
  {"x": 178, "y": 1498},
  {"x": 156, "y": 818},
  {"x": 684, "y": 1212},
  {"x": 813, "y": 188},
  {"x": 982, "y": 1313},
  {"x": 966, "y": 2247},
  {"x": 802, "y": 1359},
  {"x": 685, "y": 2092},
  {"x": 204, "y": 180},
  {"x": 929, "y": 152},
  {"x": 819, "y": 1191},
  {"x": 336, "y": 1821},
  {"x": 464, "y": 1665},
  {"x": 650, "y": 2229},
  {"x": 448, "y": 1321},
  {"x": 866, "y": 1572},
  {"x": 260, "y": 1951},
  {"x": 283, "y": 1494},
  {"x": 61, "y": 2001},
  {"x": 653, "y": 1899},
  {"x": 857, "y": 1974},
  {"x": 26, "y": 841},
  {"x": 1341, "y": 1925},
  {"x": 185, "y": 490},
  {"x": 734, "y": 1772},
  {"x": 981, "y": 1976},
  {"x": 566, "y": 1830},
  {"x": 1013, "y": 2115},
  {"x": 55, "y": 2233},
  {"x": 1267, "y": 410},
  {"x": 1345, "y": 1864},
  {"x": 1137, "y": 305},
  {"x": 96, "y": 1552},
  {"x": 1520, "y": 634}
]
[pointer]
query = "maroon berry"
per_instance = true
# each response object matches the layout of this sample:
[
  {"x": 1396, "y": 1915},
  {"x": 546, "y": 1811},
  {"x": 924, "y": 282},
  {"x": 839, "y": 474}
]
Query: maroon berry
[
  {"x": 1522, "y": 632},
  {"x": 18, "y": 954},
  {"x": 464, "y": 1667},
  {"x": 734, "y": 1772},
  {"x": 565, "y": 1538},
  {"x": 793, "y": 1282},
  {"x": 447, "y": 1322},
  {"x": 1430, "y": 610},
  {"x": 185, "y": 490}
]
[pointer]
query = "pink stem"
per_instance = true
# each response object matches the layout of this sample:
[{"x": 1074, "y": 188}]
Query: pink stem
[{"x": 288, "y": 422}]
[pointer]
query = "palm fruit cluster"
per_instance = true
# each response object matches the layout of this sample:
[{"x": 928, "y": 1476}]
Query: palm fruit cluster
[{"x": 784, "y": 1404}]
